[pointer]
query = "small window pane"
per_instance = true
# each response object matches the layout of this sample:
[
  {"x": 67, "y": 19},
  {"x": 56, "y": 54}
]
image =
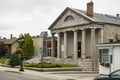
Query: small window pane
[
  {"x": 105, "y": 56},
  {"x": 69, "y": 18}
]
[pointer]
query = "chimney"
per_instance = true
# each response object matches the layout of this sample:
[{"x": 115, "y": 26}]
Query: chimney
[
  {"x": 90, "y": 8},
  {"x": 111, "y": 40},
  {"x": 118, "y": 15},
  {"x": 11, "y": 36}
]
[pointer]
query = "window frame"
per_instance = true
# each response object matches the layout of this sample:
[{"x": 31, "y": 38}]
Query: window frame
[
  {"x": 69, "y": 18},
  {"x": 103, "y": 55}
]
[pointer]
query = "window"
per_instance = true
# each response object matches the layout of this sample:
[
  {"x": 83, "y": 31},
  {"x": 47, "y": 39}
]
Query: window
[
  {"x": 104, "y": 55},
  {"x": 69, "y": 18},
  {"x": 48, "y": 44}
]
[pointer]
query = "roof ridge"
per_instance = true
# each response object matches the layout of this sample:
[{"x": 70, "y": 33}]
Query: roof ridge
[{"x": 112, "y": 16}]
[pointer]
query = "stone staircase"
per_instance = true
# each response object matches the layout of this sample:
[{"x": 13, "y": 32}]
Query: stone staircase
[{"x": 84, "y": 64}]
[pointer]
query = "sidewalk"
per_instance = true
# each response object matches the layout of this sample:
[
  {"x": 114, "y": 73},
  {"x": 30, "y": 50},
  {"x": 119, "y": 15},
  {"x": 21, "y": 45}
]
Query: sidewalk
[{"x": 49, "y": 75}]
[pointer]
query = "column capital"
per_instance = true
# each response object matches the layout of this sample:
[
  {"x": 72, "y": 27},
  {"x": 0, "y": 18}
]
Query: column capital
[
  {"x": 64, "y": 31},
  {"x": 93, "y": 29},
  {"x": 83, "y": 29},
  {"x": 58, "y": 32},
  {"x": 75, "y": 30},
  {"x": 52, "y": 34}
]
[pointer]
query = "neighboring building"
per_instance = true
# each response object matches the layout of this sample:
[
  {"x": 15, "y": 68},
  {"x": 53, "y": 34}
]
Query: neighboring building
[
  {"x": 109, "y": 56},
  {"x": 78, "y": 33},
  {"x": 37, "y": 42},
  {"x": 47, "y": 45},
  {"x": 11, "y": 44},
  {"x": 41, "y": 42}
]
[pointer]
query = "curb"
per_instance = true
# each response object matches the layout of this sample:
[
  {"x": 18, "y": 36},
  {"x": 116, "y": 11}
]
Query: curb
[{"x": 57, "y": 70}]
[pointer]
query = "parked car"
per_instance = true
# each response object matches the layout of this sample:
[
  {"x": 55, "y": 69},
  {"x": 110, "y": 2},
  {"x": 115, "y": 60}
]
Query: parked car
[{"x": 115, "y": 75}]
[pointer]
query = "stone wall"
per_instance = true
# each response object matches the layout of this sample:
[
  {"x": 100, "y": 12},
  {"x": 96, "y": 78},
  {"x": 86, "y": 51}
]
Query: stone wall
[
  {"x": 85, "y": 64},
  {"x": 37, "y": 42},
  {"x": 14, "y": 46},
  {"x": 110, "y": 31}
]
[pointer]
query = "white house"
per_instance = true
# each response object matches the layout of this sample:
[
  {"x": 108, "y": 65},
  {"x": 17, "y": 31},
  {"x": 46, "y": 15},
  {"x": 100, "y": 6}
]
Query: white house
[{"x": 109, "y": 56}]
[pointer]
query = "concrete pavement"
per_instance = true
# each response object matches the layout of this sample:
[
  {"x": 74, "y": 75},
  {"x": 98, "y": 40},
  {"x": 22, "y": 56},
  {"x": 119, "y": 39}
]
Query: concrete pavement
[{"x": 51, "y": 75}]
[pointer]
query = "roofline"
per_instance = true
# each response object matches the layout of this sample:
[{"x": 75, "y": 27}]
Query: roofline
[
  {"x": 109, "y": 44},
  {"x": 82, "y": 14},
  {"x": 87, "y": 17},
  {"x": 58, "y": 18},
  {"x": 68, "y": 8}
]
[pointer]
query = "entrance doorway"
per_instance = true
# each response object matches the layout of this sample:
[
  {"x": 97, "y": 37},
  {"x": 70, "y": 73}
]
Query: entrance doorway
[{"x": 79, "y": 49}]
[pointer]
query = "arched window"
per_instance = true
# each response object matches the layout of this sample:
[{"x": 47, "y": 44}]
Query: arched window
[{"x": 69, "y": 18}]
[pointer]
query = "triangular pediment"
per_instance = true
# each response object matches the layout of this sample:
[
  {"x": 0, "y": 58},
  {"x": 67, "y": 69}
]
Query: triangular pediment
[{"x": 69, "y": 18}]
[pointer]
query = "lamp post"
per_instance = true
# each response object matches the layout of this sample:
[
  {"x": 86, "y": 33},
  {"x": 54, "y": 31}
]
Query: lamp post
[
  {"x": 41, "y": 51},
  {"x": 21, "y": 41}
]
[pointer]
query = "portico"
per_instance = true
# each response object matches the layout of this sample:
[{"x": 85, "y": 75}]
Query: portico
[{"x": 77, "y": 43}]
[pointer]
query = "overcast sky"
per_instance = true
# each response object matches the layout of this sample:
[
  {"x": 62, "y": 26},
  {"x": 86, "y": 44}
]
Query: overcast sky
[{"x": 35, "y": 16}]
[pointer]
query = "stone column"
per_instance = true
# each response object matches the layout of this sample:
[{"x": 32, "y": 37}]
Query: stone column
[
  {"x": 52, "y": 45},
  {"x": 58, "y": 46},
  {"x": 101, "y": 35},
  {"x": 83, "y": 43},
  {"x": 92, "y": 42},
  {"x": 75, "y": 45},
  {"x": 65, "y": 44},
  {"x": 93, "y": 56}
]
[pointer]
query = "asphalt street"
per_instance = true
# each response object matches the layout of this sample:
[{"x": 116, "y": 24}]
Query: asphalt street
[{"x": 6, "y": 75}]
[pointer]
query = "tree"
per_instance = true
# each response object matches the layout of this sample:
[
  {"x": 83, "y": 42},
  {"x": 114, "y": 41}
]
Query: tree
[
  {"x": 28, "y": 48},
  {"x": 3, "y": 49},
  {"x": 14, "y": 60}
]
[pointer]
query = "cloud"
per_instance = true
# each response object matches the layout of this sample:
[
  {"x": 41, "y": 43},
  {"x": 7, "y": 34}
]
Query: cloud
[{"x": 34, "y": 16}]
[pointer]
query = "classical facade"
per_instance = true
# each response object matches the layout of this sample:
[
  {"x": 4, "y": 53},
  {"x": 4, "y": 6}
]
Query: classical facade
[{"x": 78, "y": 33}]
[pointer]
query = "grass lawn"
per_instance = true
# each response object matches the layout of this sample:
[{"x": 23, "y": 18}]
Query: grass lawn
[
  {"x": 68, "y": 65},
  {"x": 4, "y": 60}
]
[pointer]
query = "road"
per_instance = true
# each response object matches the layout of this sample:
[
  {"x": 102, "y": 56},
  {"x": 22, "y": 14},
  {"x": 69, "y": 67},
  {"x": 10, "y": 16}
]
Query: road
[
  {"x": 7, "y": 73},
  {"x": 4, "y": 75}
]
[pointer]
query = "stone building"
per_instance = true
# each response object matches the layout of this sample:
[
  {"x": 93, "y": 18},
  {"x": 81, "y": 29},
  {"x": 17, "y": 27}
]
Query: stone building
[
  {"x": 11, "y": 44},
  {"x": 78, "y": 33}
]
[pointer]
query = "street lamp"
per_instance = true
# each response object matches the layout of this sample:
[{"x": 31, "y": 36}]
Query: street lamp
[
  {"x": 21, "y": 41},
  {"x": 41, "y": 51}
]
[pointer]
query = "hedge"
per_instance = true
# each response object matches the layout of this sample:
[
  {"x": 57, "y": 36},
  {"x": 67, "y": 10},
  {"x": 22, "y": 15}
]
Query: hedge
[{"x": 47, "y": 65}]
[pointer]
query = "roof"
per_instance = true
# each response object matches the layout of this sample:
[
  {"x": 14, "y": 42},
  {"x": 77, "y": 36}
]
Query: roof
[
  {"x": 97, "y": 18},
  {"x": 105, "y": 18},
  {"x": 8, "y": 41},
  {"x": 117, "y": 43}
]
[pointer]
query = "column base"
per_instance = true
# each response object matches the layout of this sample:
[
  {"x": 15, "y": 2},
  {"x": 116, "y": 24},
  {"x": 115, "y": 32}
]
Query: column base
[{"x": 83, "y": 57}]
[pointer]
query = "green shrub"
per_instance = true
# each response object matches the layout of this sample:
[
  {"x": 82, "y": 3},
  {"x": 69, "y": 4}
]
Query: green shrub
[
  {"x": 105, "y": 64},
  {"x": 4, "y": 60},
  {"x": 47, "y": 65},
  {"x": 66, "y": 65},
  {"x": 44, "y": 65},
  {"x": 14, "y": 60},
  {"x": 27, "y": 65}
]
